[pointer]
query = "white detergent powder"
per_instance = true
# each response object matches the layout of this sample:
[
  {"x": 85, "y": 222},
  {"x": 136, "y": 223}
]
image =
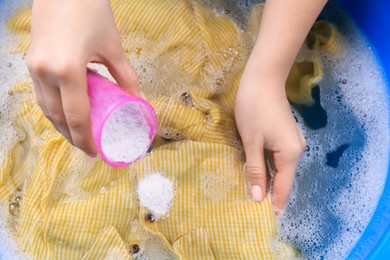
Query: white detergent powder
[
  {"x": 125, "y": 135},
  {"x": 155, "y": 192},
  {"x": 329, "y": 208}
]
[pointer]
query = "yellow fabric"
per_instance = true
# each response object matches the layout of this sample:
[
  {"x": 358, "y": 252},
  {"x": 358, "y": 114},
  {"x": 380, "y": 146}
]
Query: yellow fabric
[
  {"x": 194, "y": 245},
  {"x": 108, "y": 245},
  {"x": 74, "y": 207},
  {"x": 325, "y": 36},
  {"x": 307, "y": 70}
]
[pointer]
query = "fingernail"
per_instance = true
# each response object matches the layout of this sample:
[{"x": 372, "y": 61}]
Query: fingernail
[
  {"x": 256, "y": 193},
  {"x": 92, "y": 155}
]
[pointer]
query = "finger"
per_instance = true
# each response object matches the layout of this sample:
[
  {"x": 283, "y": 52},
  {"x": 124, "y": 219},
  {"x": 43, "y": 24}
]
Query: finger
[
  {"x": 41, "y": 101},
  {"x": 75, "y": 103},
  {"x": 39, "y": 96},
  {"x": 124, "y": 74},
  {"x": 53, "y": 104},
  {"x": 142, "y": 95},
  {"x": 37, "y": 87},
  {"x": 270, "y": 164},
  {"x": 256, "y": 174},
  {"x": 283, "y": 182}
]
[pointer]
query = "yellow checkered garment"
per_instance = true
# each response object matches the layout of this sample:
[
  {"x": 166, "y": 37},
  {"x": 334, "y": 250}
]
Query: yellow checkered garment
[{"x": 75, "y": 207}]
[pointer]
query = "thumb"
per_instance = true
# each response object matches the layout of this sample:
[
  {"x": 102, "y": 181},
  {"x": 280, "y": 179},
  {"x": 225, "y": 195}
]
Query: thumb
[
  {"x": 256, "y": 174},
  {"x": 124, "y": 74}
]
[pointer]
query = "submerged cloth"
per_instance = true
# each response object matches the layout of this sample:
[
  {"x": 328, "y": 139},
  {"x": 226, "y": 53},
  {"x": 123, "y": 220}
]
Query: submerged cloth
[{"x": 65, "y": 205}]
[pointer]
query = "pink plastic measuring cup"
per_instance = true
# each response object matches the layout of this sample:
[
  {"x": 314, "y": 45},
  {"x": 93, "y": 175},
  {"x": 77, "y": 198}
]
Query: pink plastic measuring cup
[{"x": 123, "y": 126}]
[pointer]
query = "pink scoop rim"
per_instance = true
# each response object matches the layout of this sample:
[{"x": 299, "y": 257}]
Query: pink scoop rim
[{"x": 107, "y": 113}]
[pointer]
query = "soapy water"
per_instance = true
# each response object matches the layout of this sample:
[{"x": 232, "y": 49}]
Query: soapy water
[
  {"x": 125, "y": 135},
  {"x": 12, "y": 69},
  {"x": 341, "y": 175}
]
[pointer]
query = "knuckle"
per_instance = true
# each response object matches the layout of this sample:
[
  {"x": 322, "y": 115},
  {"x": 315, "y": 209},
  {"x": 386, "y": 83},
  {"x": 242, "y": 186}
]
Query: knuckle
[
  {"x": 63, "y": 69},
  {"x": 297, "y": 148},
  {"x": 255, "y": 174},
  {"x": 57, "y": 118},
  {"x": 75, "y": 122},
  {"x": 41, "y": 65},
  {"x": 254, "y": 170},
  {"x": 37, "y": 64}
]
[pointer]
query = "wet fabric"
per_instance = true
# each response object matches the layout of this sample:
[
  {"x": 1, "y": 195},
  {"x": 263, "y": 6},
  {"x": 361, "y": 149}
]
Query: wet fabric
[{"x": 75, "y": 207}]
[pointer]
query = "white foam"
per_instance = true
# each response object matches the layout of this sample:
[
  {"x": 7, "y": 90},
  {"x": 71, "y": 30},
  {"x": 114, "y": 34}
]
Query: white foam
[
  {"x": 156, "y": 192},
  {"x": 125, "y": 135},
  {"x": 12, "y": 70},
  {"x": 8, "y": 247},
  {"x": 331, "y": 207}
]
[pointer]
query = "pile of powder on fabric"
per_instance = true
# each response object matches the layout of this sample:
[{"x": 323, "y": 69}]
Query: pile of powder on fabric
[
  {"x": 155, "y": 192},
  {"x": 125, "y": 136}
]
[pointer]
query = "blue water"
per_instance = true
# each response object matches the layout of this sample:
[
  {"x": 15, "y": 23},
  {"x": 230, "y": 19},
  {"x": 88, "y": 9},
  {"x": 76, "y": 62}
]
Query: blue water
[
  {"x": 372, "y": 17},
  {"x": 334, "y": 195},
  {"x": 342, "y": 173}
]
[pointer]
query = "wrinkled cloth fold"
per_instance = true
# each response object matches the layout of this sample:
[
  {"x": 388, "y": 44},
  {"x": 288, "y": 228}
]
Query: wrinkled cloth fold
[{"x": 75, "y": 207}]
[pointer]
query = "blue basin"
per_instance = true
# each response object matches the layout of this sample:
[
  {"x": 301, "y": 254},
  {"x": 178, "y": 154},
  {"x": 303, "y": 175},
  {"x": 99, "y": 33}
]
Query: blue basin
[{"x": 373, "y": 19}]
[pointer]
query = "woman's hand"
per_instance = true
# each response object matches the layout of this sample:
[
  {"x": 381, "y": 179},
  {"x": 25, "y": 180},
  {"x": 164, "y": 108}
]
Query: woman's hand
[
  {"x": 65, "y": 37},
  {"x": 262, "y": 112},
  {"x": 265, "y": 122}
]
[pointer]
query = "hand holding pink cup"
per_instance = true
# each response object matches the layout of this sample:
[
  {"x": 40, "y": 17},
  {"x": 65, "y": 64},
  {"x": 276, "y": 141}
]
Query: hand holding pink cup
[{"x": 123, "y": 126}]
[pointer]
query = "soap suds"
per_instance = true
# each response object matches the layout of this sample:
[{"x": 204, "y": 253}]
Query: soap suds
[
  {"x": 330, "y": 206},
  {"x": 12, "y": 70},
  {"x": 217, "y": 185}
]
